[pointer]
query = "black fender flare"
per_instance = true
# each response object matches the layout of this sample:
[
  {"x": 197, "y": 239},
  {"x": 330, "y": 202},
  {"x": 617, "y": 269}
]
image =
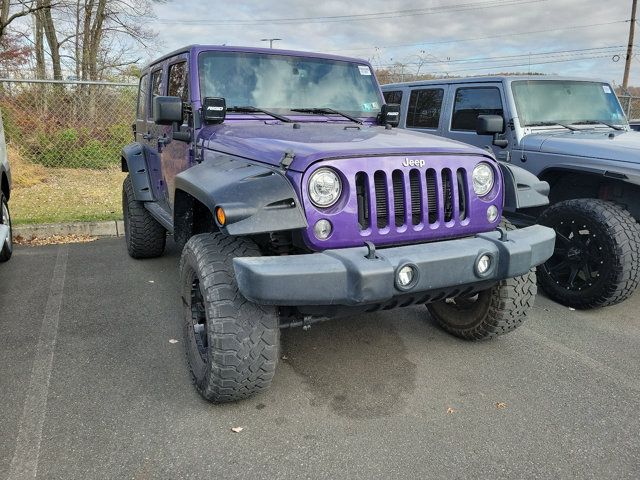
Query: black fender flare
[
  {"x": 136, "y": 164},
  {"x": 256, "y": 198},
  {"x": 522, "y": 189}
]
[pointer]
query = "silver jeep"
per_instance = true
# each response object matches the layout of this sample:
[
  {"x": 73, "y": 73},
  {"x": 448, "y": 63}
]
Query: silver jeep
[{"x": 569, "y": 132}]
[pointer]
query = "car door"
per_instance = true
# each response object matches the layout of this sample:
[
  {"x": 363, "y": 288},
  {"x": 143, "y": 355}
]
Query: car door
[
  {"x": 176, "y": 155},
  {"x": 425, "y": 107},
  {"x": 467, "y": 102},
  {"x": 149, "y": 135}
]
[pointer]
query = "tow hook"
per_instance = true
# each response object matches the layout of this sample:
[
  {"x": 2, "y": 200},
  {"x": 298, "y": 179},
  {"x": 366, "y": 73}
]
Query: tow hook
[
  {"x": 503, "y": 234},
  {"x": 371, "y": 254}
]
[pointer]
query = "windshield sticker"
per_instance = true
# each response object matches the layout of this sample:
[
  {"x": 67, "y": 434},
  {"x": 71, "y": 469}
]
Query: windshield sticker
[
  {"x": 606, "y": 88},
  {"x": 364, "y": 70}
]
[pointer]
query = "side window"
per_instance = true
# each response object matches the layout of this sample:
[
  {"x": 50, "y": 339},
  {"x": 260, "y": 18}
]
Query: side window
[
  {"x": 393, "y": 97},
  {"x": 156, "y": 84},
  {"x": 424, "y": 109},
  {"x": 473, "y": 101},
  {"x": 178, "y": 81},
  {"x": 142, "y": 96}
]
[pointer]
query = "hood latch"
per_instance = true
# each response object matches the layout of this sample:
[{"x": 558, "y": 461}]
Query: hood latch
[{"x": 287, "y": 158}]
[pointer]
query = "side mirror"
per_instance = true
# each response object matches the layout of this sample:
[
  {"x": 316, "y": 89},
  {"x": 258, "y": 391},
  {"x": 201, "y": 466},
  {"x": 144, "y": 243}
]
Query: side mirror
[
  {"x": 492, "y": 125},
  {"x": 167, "y": 110},
  {"x": 489, "y": 124},
  {"x": 389, "y": 115},
  {"x": 214, "y": 110}
]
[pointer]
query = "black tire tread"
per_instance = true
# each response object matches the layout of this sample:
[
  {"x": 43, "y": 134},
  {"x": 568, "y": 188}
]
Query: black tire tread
[
  {"x": 625, "y": 232},
  {"x": 244, "y": 337},
  {"x": 146, "y": 238}
]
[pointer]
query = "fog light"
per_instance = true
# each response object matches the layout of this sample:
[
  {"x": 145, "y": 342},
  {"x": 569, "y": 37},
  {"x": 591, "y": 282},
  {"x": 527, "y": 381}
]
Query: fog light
[
  {"x": 484, "y": 264},
  {"x": 406, "y": 276},
  {"x": 322, "y": 229},
  {"x": 492, "y": 213}
]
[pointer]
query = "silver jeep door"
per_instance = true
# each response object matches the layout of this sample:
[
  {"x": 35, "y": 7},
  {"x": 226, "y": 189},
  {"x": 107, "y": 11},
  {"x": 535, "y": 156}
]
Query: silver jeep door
[
  {"x": 469, "y": 101},
  {"x": 425, "y": 107}
]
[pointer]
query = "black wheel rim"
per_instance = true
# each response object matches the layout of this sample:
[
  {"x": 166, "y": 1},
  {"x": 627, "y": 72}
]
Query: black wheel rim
[
  {"x": 199, "y": 319},
  {"x": 576, "y": 264}
]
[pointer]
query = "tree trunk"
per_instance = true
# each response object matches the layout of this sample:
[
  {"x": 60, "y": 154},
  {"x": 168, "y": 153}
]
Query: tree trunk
[
  {"x": 52, "y": 38},
  {"x": 41, "y": 70}
]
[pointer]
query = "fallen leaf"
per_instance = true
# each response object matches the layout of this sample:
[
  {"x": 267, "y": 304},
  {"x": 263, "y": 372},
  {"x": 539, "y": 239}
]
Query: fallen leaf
[
  {"x": 151, "y": 281},
  {"x": 572, "y": 309},
  {"x": 501, "y": 405},
  {"x": 284, "y": 357},
  {"x": 173, "y": 340},
  {"x": 237, "y": 429},
  {"x": 450, "y": 411}
]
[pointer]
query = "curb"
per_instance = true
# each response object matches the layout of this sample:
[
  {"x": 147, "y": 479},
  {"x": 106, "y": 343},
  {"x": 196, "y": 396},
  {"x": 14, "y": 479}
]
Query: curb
[{"x": 112, "y": 228}]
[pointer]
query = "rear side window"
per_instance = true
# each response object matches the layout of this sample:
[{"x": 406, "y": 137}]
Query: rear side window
[
  {"x": 473, "y": 101},
  {"x": 393, "y": 97},
  {"x": 156, "y": 88},
  {"x": 424, "y": 109},
  {"x": 142, "y": 96},
  {"x": 178, "y": 83}
]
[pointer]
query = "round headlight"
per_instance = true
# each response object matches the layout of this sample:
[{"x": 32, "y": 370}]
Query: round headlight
[
  {"x": 324, "y": 187},
  {"x": 482, "y": 179}
]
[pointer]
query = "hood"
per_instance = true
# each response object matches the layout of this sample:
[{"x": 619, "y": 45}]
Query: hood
[
  {"x": 594, "y": 143},
  {"x": 309, "y": 142}
]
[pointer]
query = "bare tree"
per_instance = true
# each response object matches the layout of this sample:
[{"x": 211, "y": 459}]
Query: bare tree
[{"x": 10, "y": 11}]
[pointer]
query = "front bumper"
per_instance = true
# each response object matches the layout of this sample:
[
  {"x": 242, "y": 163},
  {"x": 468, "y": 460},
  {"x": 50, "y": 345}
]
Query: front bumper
[{"x": 346, "y": 277}]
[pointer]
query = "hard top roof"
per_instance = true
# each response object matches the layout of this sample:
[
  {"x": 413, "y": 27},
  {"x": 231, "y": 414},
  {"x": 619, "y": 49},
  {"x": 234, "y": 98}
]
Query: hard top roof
[
  {"x": 487, "y": 79},
  {"x": 196, "y": 49}
]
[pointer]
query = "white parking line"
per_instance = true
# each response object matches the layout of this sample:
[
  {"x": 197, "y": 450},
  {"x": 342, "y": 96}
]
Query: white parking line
[{"x": 24, "y": 463}]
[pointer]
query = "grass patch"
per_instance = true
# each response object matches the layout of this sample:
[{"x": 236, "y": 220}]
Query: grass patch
[{"x": 67, "y": 195}]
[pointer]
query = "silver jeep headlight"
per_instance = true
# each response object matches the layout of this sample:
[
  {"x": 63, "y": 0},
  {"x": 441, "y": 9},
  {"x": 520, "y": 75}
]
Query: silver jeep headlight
[
  {"x": 325, "y": 187},
  {"x": 483, "y": 179}
]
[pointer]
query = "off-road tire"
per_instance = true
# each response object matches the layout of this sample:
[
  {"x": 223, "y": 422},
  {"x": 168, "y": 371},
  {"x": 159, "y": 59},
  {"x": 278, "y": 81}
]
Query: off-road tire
[
  {"x": 495, "y": 311},
  {"x": 615, "y": 251},
  {"x": 144, "y": 236},
  {"x": 6, "y": 249},
  {"x": 243, "y": 339}
]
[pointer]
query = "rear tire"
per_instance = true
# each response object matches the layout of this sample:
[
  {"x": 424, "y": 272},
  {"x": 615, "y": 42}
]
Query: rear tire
[
  {"x": 231, "y": 344},
  {"x": 492, "y": 312},
  {"x": 145, "y": 237},
  {"x": 596, "y": 261},
  {"x": 6, "y": 249}
]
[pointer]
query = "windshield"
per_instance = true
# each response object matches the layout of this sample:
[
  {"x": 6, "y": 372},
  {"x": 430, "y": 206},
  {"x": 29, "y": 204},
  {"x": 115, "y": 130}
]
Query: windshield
[
  {"x": 280, "y": 83},
  {"x": 563, "y": 101}
]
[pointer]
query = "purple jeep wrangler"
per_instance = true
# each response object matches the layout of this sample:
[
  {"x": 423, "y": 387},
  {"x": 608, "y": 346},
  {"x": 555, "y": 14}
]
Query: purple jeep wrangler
[{"x": 294, "y": 200}]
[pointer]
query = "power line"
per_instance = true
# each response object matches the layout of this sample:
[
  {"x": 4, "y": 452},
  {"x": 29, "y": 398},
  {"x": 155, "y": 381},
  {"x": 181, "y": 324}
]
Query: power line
[
  {"x": 549, "y": 54},
  {"x": 496, "y": 67},
  {"x": 462, "y": 7},
  {"x": 575, "y": 27}
]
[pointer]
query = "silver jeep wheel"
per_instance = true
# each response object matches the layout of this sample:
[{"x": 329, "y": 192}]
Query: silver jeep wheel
[{"x": 6, "y": 249}]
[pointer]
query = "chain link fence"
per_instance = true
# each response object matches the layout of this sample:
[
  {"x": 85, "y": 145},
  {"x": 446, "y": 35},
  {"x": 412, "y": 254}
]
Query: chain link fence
[
  {"x": 64, "y": 140},
  {"x": 631, "y": 106}
]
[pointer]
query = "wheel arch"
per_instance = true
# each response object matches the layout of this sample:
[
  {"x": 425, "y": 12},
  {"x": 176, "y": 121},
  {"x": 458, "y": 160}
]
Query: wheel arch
[
  {"x": 133, "y": 161},
  {"x": 256, "y": 198}
]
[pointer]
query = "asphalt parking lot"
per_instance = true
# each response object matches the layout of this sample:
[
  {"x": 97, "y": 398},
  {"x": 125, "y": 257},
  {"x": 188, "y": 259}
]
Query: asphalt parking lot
[{"x": 92, "y": 387}]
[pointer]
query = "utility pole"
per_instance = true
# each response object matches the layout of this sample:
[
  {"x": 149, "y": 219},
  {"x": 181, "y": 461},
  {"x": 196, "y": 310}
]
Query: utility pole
[
  {"x": 632, "y": 30},
  {"x": 271, "y": 40}
]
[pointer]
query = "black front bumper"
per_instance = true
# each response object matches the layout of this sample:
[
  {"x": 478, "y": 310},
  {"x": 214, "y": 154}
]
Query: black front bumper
[{"x": 347, "y": 277}]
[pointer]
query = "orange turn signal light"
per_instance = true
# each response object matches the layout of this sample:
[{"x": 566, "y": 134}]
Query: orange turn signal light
[{"x": 220, "y": 216}]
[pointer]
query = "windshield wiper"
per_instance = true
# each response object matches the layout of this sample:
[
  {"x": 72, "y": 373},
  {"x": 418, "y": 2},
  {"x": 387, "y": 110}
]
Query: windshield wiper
[
  {"x": 327, "y": 110},
  {"x": 551, "y": 124},
  {"x": 596, "y": 122},
  {"x": 252, "y": 109}
]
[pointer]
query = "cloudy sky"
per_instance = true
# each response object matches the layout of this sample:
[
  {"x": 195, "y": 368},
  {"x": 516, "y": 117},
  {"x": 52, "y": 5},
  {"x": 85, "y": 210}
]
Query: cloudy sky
[{"x": 459, "y": 37}]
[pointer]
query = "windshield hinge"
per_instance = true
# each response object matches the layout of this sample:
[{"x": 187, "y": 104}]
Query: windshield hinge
[{"x": 287, "y": 158}]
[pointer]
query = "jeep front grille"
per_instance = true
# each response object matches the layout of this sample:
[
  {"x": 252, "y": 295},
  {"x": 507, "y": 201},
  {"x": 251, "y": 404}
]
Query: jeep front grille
[{"x": 411, "y": 198}]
